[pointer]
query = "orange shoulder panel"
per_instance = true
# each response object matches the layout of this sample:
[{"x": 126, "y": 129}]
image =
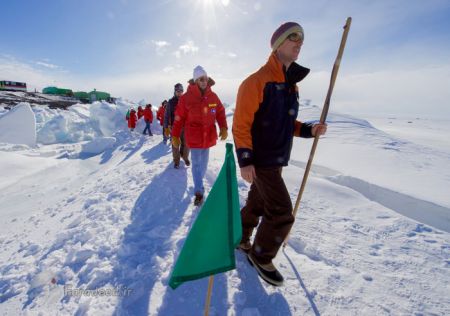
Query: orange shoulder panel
[{"x": 249, "y": 97}]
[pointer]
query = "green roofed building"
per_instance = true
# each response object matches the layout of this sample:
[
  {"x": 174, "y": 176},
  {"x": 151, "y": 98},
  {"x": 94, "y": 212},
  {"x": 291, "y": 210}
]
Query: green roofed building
[
  {"x": 82, "y": 96},
  {"x": 57, "y": 91},
  {"x": 98, "y": 96}
]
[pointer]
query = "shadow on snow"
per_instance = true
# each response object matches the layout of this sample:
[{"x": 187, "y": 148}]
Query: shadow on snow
[
  {"x": 155, "y": 216},
  {"x": 252, "y": 294}
]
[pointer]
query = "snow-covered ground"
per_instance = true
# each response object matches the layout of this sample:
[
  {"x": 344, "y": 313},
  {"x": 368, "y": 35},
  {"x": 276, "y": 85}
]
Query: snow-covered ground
[{"x": 95, "y": 207}]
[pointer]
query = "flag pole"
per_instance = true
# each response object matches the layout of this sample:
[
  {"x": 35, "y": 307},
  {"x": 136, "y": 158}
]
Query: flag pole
[
  {"x": 323, "y": 117},
  {"x": 208, "y": 295}
]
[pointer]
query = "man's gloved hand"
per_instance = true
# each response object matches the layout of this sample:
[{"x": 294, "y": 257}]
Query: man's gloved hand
[
  {"x": 176, "y": 142},
  {"x": 223, "y": 133},
  {"x": 167, "y": 132}
]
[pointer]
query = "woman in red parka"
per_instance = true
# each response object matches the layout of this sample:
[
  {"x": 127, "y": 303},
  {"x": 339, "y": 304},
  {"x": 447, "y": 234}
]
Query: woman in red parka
[
  {"x": 160, "y": 112},
  {"x": 148, "y": 118},
  {"x": 140, "y": 112},
  {"x": 132, "y": 119},
  {"x": 197, "y": 111},
  {"x": 160, "y": 117}
]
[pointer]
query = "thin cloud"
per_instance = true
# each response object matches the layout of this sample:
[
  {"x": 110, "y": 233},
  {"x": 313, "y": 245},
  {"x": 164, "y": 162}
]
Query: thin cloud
[
  {"x": 189, "y": 47},
  {"x": 35, "y": 77},
  {"x": 160, "y": 44},
  {"x": 47, "y": 65},
  {"x": 168, "y": 69}
]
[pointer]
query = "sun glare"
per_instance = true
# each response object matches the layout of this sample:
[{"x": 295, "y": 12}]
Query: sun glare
[
  {"x": 212, "y": 12},
  {"x": 212, "y": 3}
]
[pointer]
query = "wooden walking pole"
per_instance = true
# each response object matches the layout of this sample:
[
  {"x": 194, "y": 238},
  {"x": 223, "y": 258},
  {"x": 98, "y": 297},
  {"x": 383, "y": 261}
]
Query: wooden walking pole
[
  {"x": 323, "y": 117},
  {"x": 208, "y": 295}
]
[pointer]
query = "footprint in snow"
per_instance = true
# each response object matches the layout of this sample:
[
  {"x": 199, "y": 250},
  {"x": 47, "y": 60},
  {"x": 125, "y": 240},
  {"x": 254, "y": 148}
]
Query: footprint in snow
[
  {"x": 421, "y": 228},
  {"x": 367, "y": 277}
]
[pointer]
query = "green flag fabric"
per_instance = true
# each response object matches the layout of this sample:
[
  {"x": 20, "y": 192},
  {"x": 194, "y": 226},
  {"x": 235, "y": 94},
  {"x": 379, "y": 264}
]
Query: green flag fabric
[{"x": 210, "y": 244}]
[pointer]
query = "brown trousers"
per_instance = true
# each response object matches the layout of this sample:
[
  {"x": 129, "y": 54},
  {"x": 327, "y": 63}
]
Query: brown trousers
[
  {"x": 181, "y": 152},
  {"x": 269, "y": 200}
]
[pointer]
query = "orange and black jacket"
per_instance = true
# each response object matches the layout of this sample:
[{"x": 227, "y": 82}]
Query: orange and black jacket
[{"x": 264, "y": 121}]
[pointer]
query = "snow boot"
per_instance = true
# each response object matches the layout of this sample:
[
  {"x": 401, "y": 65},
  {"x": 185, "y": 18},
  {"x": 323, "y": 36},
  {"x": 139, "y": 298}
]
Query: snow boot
[
  {"x": 198, "y": 199},
  {"x": 267, "y": 272}
]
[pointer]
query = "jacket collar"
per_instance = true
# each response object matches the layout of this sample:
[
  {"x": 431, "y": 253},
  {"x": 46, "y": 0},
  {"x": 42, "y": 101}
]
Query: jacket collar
[
  {"x": 293, "y": 75},
  {"x": 195, "y": 90}
]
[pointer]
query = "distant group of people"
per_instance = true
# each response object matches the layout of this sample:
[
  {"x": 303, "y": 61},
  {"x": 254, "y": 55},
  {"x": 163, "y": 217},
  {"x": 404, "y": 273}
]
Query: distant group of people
[
  {"x": 132, "y": 117},
  {"x": 264, "y": 124}
]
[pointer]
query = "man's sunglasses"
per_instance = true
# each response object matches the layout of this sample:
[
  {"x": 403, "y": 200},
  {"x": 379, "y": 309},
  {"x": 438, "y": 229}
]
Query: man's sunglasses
[{"x": 295, "y": 37}]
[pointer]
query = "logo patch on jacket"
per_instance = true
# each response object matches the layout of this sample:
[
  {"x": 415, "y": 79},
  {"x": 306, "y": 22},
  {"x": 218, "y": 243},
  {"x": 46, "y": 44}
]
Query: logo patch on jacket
[{"x": 212, "y": 105}]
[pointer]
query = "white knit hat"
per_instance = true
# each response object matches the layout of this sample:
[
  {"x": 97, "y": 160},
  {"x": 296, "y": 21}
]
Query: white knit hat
[{"x": 199, "y": 72}]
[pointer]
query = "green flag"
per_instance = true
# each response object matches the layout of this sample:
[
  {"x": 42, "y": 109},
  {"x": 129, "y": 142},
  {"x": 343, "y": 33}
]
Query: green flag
[{"x": 209, "y": 246}]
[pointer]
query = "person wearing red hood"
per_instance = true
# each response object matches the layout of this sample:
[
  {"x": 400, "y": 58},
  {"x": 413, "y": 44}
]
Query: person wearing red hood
[
  {"x": 198, "y": 111},
  {"x": 160, "y": 112},
  {"x": 160, "y": 117},
  {"x": 140, "y": 112},
  {"x": 132, "y": 119}
]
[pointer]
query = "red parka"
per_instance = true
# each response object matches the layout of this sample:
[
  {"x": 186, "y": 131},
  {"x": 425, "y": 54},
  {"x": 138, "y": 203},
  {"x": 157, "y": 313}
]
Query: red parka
[
  {"x": 148, "y": 115},
  {"x": 160, "y": 115},
  {"x": 132, "y": 120},
  {"x": 140, "y": 112},
  {"x": 198, "y": 114}
]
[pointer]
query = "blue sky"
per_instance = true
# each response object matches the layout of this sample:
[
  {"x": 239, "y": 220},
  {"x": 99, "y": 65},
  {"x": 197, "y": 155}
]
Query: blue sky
[{"x": 396, "y": 61}]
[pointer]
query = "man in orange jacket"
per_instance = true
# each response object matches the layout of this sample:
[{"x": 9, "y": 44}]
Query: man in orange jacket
[
  {"x": 198, "y": 111},
  {"x": 264, "y": 125}
]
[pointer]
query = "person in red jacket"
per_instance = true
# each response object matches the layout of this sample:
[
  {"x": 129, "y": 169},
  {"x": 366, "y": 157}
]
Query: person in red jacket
[
  {"x": 197, "y": 111},
  {"x": 160, "y": 117},
  {"x": 160, "y": 112},
  {"x": 148, "y": 118},
  {"x": 132, "y": 119},
  {"x": 140, "y": 112}
]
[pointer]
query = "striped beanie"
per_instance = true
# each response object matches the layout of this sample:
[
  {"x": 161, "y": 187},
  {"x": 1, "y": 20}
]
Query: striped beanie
[{"x": 281, "y": 33}]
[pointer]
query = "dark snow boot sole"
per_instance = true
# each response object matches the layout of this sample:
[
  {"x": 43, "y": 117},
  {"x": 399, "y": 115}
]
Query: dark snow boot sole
[
  {"x": 268, "y": 276},
  {"x": 198, "y": 203},
  {"x": 198, "y": 200}
]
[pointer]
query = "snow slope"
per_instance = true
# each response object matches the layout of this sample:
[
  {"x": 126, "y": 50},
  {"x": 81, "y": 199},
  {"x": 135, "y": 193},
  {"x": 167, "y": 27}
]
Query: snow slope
[{"x": 372, "y": 236}]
